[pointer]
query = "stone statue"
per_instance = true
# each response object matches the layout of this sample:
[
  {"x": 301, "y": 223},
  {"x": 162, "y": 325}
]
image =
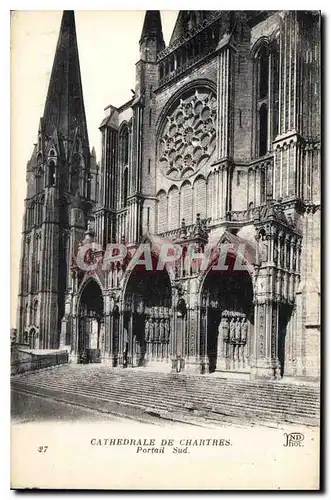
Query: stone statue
[
  {"x": 225, "y": 328},
  {"x": 166, "y": 331},
  {"x": 147, "y": 331},
  {"x": 162, "y": 333},
  {"x": 244, "y": 330},
  {"x": 232, "y": 330},
  {"x": 237, "y": 330}
]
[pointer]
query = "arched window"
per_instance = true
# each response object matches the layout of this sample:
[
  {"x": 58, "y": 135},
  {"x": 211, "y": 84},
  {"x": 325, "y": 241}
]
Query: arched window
[
  {"x": 267, "y": 96},
  {"x": 263, "y": 72},
  {"x": 263, "y": 129},
  {"x": 51, "y": 173},
  {"x": 125, "y": 188},
  {"x": 161, "y": 71},
  {"x": 125, "y": 146},
  {"x": 275, "y": 88},
  {"x": 162, "y": 223}
]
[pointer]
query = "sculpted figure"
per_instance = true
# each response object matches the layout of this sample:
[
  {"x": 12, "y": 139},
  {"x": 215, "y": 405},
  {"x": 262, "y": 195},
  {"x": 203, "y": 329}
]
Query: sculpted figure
[
  {"x": 237, "y": 330},
  {"x": 225, "y": 328},
  {"x": 151, "y": 329},
  {"x": 147, "y": 331},
  {"x": 232, "y": 330},
  {"x": 162, "y": 332},
  {"x": 166, "y": 331},
  {"x": 244, "y": 330}
]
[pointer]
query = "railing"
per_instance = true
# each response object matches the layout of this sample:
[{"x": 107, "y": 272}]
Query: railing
[
  {"x": 189, "y": 34},
  {"x": 175, "y": 234},
  {"x": 39, "y": 361},
  {"x": 245, "y": 215}
]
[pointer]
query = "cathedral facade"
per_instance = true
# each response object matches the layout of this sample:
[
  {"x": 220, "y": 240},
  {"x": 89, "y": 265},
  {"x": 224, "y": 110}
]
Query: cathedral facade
[{"x": 219, "y": 145}]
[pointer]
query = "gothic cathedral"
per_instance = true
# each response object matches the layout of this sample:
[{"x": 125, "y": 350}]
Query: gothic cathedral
[{"x": 219, "y": 144}]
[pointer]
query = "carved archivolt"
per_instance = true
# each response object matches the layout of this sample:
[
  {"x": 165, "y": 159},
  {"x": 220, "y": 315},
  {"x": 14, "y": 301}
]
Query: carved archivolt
[{"x": 188, "y": 137}]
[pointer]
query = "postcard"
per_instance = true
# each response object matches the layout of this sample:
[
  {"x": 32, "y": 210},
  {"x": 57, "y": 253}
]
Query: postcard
[{"x": 166, "y": 328}]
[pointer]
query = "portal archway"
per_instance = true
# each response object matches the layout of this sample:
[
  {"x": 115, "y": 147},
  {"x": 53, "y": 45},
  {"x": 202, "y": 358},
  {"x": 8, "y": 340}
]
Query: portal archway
[
  {"x": 91, "y": 323},
  {"x": 227, "y": 319},
  {"x": 146, "y": 320}
]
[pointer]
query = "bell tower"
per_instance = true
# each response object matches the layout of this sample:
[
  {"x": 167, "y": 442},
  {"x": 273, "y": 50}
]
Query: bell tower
[{"x": 58, "y": 192}]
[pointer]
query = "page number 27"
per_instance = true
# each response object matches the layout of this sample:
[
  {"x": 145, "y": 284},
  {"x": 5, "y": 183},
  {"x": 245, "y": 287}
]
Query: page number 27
[{"x": 42, "y": 449}]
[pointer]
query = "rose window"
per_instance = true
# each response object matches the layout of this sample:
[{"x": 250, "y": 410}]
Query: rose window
[{"x": 188, "y": 138}]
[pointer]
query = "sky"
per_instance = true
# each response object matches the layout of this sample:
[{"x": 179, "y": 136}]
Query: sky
[{"x": 108, "y": 51}]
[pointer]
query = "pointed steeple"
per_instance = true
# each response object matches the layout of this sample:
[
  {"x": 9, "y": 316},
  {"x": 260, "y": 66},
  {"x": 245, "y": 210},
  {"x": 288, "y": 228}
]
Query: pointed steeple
[
  {"x": 64, "y": 108},
  {"x": 152, "y": 28}
]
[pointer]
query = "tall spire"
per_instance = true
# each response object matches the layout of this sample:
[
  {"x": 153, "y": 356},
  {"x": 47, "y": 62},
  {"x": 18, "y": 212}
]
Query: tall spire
[
  {"x": 64, "y": 108},
  {"x": 153, "y": 28}
]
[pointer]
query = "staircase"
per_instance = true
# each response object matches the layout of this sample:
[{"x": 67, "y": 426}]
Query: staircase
[{"x": 136, "y": 393}]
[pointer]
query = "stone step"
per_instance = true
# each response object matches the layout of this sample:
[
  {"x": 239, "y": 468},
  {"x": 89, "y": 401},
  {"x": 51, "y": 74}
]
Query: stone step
[
  {"x": 269, "y": 390},
  {"x": 150, "y": 398},
  {"x": 226, "y": 392},
  {"x": 156, "y": 406}
]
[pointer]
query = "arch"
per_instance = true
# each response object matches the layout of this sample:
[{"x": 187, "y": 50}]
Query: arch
[
  {"x": 263, "y": 41},
  {"x": 263, "y": 57},
  {"x": 210, "y": 194},
  {"x": 124, "y": 135},
  {"x": 200, "y": 198},
  {"x": 162, "y": 211},
  {"x": 51, "y": 173},
  {"x": 232, "y": 254},
  {"x": 227, "y": 317},
  {"x": 146, "y": 298},
  {"x": 32, "y": 337},
  {"x": 90, "y": 304},
  {"x": 186, "y": 202},
  {"x": 173, "y": 203}
]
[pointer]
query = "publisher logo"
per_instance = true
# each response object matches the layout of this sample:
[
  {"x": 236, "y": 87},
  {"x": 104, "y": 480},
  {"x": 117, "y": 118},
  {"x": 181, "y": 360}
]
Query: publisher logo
[{"x": 293, "y": 439}]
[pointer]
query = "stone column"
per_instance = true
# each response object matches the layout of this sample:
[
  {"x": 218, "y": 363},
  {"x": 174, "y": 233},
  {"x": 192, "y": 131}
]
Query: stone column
[
  {"x": 75, "y": 332},
  {"x": 264, "y": 362},
  {"x": 121, "y": 336},
  {"x": 192, "y": 358}
]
